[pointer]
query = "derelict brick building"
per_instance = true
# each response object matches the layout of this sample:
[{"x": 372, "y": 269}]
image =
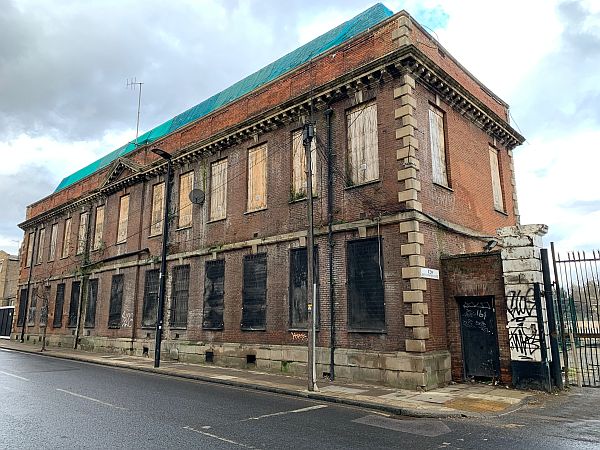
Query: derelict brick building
[{"x": 413, "y": 153}]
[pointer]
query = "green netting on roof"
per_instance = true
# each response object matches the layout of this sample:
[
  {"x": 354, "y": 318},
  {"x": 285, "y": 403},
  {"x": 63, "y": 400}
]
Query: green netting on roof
[{"x": 336, "y": 36}]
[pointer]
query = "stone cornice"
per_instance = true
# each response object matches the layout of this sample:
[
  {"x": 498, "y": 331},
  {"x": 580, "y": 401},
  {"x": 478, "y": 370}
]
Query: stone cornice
[{"x": 406, "y": 59}]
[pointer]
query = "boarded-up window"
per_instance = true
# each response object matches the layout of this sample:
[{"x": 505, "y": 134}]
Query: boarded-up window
[
  {"x": 99, "y": 229},
  {"x": 438, "y": 146},
  {"x": 123, "y": 219},
  {"x": 23, "y": 298},
  {"x": 298, "y": 287},
  {"x": 186, "y": 184},
  {"x": 254, "y": 292},
  {"x": 90, "y": 311},
  {"x": 299, "y": 165},
  {"x": 158, "y": 205},
  {"x": 363, "y": 158},
  {"x": 116, "y": 301},
  {"x": 496, "y": 184},
  {"x": 257, "y": 178},
  {"x": 218, "y": 190},
  {"x": 32, "y": 307},
  {"x": 179, "y": 296},
  {"x": 53, "y": 238},
  {"x": 214, "y": 292},
  {"x": 74, "y": 304},
  {"x": 58, "y": 305},
  {"x": 151, "y": 285},
  {"x": 29, "y": 249},
  {"x": 66, "y": 238},
  {"x": 82, "y": 234},
  {"x": 41, "y": 244},
  {"x": 366, "y": 307}
]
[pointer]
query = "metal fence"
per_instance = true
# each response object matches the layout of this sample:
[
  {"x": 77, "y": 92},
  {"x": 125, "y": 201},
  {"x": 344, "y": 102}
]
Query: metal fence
[{"x": 577, "y": 293}]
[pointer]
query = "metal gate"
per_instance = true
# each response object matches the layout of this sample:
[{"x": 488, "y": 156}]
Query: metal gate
[
  {"x": 578, "y": 303},
  {"x": 6, "y": 320}
]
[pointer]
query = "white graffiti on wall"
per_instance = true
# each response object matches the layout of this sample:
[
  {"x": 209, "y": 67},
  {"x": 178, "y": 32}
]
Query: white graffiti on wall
[
  {"x": 523, "y": 333},
  {"x": 126, "y": 320}
]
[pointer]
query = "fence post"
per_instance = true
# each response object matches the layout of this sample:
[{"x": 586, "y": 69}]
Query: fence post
[{"x": 555, "y": 367}]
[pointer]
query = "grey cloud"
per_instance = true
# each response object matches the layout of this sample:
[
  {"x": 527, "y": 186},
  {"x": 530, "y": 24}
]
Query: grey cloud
[
  {"x": 563, "y": 94},
  {"x": 583, "y": 206}
]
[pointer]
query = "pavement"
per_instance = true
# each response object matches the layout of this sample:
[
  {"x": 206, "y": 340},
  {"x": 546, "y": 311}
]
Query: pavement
[{"x": 455, "y": 400}]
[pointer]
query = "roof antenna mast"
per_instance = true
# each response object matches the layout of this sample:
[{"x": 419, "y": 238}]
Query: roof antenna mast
[{"x": 132, "y": 83}]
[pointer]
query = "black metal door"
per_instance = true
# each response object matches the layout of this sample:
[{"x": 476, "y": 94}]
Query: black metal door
[
  {"x": 479, "y": 337},
  {"x": 6, "y": 319}
]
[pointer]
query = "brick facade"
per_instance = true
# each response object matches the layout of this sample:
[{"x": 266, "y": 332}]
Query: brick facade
[{"x": 414, "y": 220}]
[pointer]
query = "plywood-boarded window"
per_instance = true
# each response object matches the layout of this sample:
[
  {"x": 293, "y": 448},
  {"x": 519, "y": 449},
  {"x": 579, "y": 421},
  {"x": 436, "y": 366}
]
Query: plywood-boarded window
[
  {"x": 254, "y": 292},
  {"x": 82, "y": 234},
  {"x": 123, "y": 219},
  {"x": 298, "y": 287},
  {"x": 257, "y": 178},
  {"x": 66, "y": 238},
  {"x": 116, "y": 302},
  {"x": 214, "y": 293},
  {"x": 186, "y": 184},
  {"x": 29, "y": 249},
  {"x": 53, "y": 238},
  {"x": 158, "y": 208},
  {"x": 218, "y": 190},
  {"x": 32, "y": 307},
  {"x": 41, "y": 244},
  {"x": 363, "y": 157},
  {"x": 99, "y": 229},
  {"x": 299, "y": 165},
  {"x": 496, "y": 183},
  {"x": 438, "y": 146}
]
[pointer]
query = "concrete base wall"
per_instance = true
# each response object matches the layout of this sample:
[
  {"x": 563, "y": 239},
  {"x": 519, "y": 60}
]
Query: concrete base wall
[{"x": 395, "y": 369}]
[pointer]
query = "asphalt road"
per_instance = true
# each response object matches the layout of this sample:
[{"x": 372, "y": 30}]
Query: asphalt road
[{"x": 49, "y": 403}]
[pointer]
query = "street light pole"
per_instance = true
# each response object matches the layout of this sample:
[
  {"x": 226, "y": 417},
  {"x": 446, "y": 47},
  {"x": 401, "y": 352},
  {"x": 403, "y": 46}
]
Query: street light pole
[
  {"x": 308, "y": 134},
  {"x": 163, "y": 261}
]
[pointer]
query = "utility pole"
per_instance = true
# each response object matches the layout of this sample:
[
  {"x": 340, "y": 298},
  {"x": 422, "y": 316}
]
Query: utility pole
[
  {"x": 163, "y": 261},
  {"x": 308, "y": 133}
]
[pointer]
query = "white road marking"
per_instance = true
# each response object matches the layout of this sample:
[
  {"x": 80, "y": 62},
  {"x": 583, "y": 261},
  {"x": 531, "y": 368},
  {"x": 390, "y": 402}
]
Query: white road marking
[
  {"x": 283, "y": 413},
  {"x": 15, "y": 376},
  {"x": 214, "y": 436},
  {"x": 91, "y": 399}
]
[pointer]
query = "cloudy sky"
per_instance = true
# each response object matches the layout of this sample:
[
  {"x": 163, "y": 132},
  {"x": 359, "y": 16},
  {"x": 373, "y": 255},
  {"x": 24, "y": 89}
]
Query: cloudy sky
[{"x": 64, "y": 67}]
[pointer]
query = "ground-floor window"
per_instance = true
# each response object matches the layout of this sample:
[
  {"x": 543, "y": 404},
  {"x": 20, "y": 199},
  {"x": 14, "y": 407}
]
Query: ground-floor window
[
  {"x": 74, "y": 304},
  {"x": 90, "y": 311},
  {"x": 179, "y": 296},
  {"x": 298, "y": 287},
  {"x": 366, "y": 306},
  {"x": 214, "y": 292},
  {"x": 151, "y": 285},
  {"x": 116, "y": 302},
  {"x": 23, "y": 295},
  {"x": 254, "y": 292},
  {"x": 58, "y": 305}
]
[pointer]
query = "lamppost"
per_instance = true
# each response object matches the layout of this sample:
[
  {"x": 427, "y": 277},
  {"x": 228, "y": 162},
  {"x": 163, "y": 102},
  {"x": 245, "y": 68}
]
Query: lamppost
[{"x": 163, "y": 262}]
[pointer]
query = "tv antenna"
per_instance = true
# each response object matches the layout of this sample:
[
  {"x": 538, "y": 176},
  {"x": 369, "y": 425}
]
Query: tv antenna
[{"x": 132, "y": 83}]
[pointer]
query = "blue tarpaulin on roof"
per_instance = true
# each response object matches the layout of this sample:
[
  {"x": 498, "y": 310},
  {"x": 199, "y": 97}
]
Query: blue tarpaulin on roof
[{"x": 296, "y": 58}]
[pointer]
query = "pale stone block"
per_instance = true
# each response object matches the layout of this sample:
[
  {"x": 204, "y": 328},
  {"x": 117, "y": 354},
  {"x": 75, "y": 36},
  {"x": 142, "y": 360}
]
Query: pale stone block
[
  {"x": 414, "y": 320},
  {"x": 412, "y": 162},
  {"x": 402, "y": 90},
  {"x": 362, "y": 232},
  {"x": 408, "y": 130},
  {"x": 403, "y": 40},
  {"x": 420, "y": 332},
  {"x": 406, "y": 110},
  {"x": 411, "y": 380},
  {"x": 412, "y": 296},
  {"x": 415, "y": 345},
  {"x": 523, "y": 230},
  {"x": 409, "y": 121},
  {"x": 523, "y": 277},
  {"x": 520, "y": 253},
  {"x": 521, "y": 265},
  {"x": 409, "y": 194},
  {"x": 410, "y": 249},
  {"x": 408, "y": 226},
  {"x": 420, "y": 308},
  {"x": 521, "y": 241},
  {"x": 405, "y": 174},
  {"x": 416, "y": 236},
  {"x": 413, "y": 204},
  {"x": 418, "y": 284},
  {"x": 416, "y": 260},
  {"x": 408, "y": 99},
  {"x": 410, "y": 141},
  {"x": 411, "y": 272},
  {"x": 405, "y": 152},
  {"x": 408, "y": 78},
  {"x": 397, "y": 363}
]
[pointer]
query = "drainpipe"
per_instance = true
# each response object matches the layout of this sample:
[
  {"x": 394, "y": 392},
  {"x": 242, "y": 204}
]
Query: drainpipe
[
  {"x": 31, "y": 264},
  {"x": 328, "y": 114},
  {"x": 83, "y": 293}
]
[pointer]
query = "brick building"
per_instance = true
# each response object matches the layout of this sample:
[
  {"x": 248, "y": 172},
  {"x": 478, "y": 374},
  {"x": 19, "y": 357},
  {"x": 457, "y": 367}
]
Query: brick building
[{"x": 413, "y": 164}]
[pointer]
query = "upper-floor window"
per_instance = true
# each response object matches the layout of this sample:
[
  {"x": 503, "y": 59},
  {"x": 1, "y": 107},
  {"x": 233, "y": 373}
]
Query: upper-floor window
[
  {"x": 158, "y": 205},
  {"x": 438, "y": 146},
  {"x": 218, "y": 190},
  {"x": 257, "y": 178},
  {"x": 496, "y": 183},
  {"x": 363, "y": 158},
  {"x": 53, "y": 237},
  {"x": 41, "y": 244},
  {"x": 66, "y": 238},
  {"x": 82, "y": 234},
  {"x": 123, "y": 219},
  {"x": 299, "y": 165},
  {"x": 186, "y": 184},
  {"x": 29, "y": 259},
  {"x": 99, "y": 227}
]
